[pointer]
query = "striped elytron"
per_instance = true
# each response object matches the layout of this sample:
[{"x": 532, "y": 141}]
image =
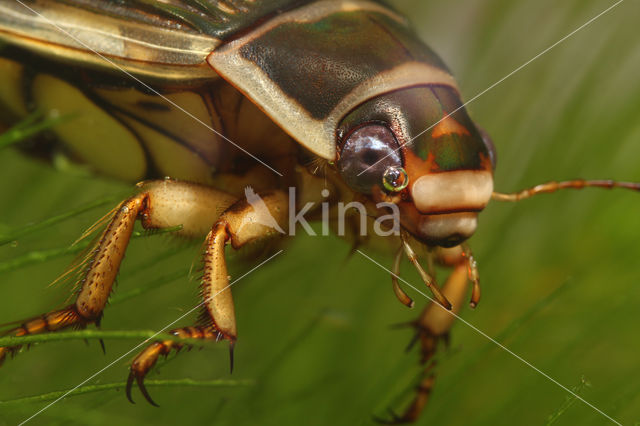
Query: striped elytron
[{"x": 337, "y": 95}]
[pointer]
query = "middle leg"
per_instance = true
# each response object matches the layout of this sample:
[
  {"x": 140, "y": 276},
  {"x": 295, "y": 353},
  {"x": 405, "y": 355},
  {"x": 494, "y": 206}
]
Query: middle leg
[{"x": 243, "y": 223}]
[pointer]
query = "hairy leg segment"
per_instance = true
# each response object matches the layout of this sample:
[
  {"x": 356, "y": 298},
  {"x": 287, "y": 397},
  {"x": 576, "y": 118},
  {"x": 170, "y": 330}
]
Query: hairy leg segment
[
  {"x": 434, "y": 322},
  {"x": 225, "y": 219}
]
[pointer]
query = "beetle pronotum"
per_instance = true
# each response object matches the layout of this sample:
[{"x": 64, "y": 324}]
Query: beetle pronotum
[{"x": 388, "y": 97}]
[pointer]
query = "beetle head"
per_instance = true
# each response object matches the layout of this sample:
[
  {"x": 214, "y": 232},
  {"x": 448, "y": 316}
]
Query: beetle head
[{"x": 419, "y": 149}]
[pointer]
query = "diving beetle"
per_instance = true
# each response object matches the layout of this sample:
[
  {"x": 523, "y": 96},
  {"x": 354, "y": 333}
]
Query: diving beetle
[{"x": 268, "y": 95}]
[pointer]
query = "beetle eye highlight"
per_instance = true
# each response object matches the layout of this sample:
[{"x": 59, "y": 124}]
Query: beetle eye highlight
[
  {"x": 366, "y": 156},
  {"x": 395, "y": 179}
]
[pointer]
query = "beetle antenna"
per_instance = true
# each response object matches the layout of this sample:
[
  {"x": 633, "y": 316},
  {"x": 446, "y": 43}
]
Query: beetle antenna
[{"x": 553, "y": 186}]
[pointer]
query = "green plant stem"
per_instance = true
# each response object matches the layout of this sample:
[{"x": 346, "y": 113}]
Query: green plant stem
[
  {"x": 456, "y": 376},
  {"x": 27, "y": 229},
  {"x": 138, "y": 290},
  {"x": 96, "y": 335},
  {"x": 569, "y": 401},
  {"x": 30, "y": 126},
  {"x": 37, "y": 256},
  {"x": 121, "y": 385}
]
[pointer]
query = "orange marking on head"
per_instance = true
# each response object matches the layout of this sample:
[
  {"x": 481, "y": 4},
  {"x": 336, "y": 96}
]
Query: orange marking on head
[
  {"x": 416, "y": 166},
  {"x": 447, "y": 126},
  {"x": 485, "y": 161}
]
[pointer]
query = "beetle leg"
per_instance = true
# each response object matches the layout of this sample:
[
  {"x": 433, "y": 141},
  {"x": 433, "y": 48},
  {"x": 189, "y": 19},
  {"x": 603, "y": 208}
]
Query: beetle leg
[
  {"x": 474, "y": 275},
  {"x": 434, "y": 322},
  {"x": 412, "y": 413},
  {"x": 145, "y": 361},
  {"x": 432, "y": 328},
  {"x": 244, "y": 222},
  {"x": 52, "y": 321},
  {"x": 399, "y": 292},
  {"x": 97, "y": 281},
  {"x": 426, "y": 278},
  {"x": 218, "y": 308},
  {"x": 160, "y": 204}
]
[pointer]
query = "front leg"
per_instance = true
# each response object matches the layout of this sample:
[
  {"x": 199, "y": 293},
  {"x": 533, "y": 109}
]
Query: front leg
[
  {"x": 433, "y": 325},
  {"x": 244, "y": 222}
]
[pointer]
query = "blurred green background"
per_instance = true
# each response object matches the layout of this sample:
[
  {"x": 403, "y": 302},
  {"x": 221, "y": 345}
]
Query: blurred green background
[{"x": 315, "y": 334}]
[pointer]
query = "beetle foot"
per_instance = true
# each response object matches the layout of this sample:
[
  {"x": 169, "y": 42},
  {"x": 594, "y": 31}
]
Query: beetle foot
[
  {"x": 412, "y": 412},
  {"x": 429, "y": 344},
  {"x": 46, "y": 323},
  {"x": 142, "y": 364},
  {"x": 145, "y": 361},
  {"x": 8, "y": 350}
]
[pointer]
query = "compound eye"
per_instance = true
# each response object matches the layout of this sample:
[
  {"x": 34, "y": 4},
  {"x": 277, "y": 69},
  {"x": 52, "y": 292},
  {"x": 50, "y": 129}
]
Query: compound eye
[{"x": 367, "y": 153}]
